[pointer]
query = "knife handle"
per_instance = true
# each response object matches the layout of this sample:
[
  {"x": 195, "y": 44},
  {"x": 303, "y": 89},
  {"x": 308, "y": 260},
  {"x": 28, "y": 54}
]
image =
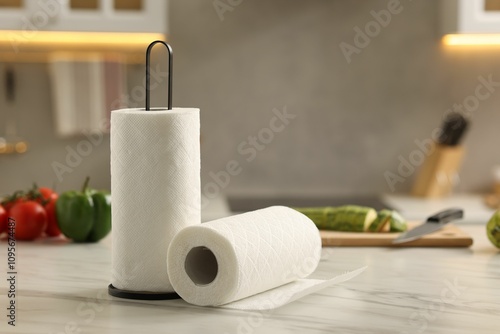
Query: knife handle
[
  {"x": 10, "y": 84},
  {"x": 446, "y": 216}
]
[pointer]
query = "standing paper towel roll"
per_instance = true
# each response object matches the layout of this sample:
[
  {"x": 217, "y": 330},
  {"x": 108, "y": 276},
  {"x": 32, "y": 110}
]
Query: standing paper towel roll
[
  {"x": 155, "y": 183},
  {"x": 236, "y": 257}
]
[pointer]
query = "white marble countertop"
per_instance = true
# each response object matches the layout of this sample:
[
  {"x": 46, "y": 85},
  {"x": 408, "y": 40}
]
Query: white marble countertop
[
  {"x": 416, "y": 208},
  {"x": 62, "y": 288}
]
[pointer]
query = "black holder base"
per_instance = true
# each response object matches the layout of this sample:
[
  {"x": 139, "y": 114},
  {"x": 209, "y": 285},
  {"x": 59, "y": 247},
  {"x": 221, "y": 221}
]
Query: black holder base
[{"x": 142, "y": 295}]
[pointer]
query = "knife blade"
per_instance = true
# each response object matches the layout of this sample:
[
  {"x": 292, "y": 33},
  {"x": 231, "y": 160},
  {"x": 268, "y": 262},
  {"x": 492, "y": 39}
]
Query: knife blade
[{"x": 433, "y": 224}]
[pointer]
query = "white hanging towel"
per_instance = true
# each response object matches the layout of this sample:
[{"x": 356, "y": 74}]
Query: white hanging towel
[{"x": 84, "y": 91}]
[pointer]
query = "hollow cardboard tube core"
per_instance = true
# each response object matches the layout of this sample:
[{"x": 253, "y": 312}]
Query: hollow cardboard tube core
[{"x": 201, "y": 265}]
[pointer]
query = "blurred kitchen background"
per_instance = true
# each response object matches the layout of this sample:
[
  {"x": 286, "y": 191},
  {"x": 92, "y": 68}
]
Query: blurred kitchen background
[{"x": 240, "y": 60}]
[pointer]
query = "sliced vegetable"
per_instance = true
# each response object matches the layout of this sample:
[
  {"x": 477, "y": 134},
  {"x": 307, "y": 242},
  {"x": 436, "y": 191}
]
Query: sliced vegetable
[
  {"x": 317, "y": 215},
  {"x": 350, "y": 218},
  {"x": 354, "y": 218},
  {"x": 388, "y": 221},
  {"x": 381, "y": 224},
  {"x": 397, "y": 223}
]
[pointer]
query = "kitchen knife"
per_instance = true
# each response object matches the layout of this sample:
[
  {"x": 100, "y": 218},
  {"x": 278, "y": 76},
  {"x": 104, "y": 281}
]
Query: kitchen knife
[
  {"x": 453, "y": 129},
  {"x": 433, "y": 223}
]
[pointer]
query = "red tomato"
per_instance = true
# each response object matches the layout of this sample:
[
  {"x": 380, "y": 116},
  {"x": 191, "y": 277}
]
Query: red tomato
[
  {"x": 42, "y": 195},
  {"x": 46, "y": 192},
  {"x": 9, "y": 205},
  {"x": 3, "y": 219},
  {"x": 52, "y": 226},
  {"x": 31, "y": 220}
]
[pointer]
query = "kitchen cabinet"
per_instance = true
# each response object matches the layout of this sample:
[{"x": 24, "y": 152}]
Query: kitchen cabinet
[
  {"x": 470, "y": 16},
  {"x": 84, "y": 15}
]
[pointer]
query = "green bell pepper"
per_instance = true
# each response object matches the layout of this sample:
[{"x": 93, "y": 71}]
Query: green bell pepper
[{"x": 84, "y": 216}]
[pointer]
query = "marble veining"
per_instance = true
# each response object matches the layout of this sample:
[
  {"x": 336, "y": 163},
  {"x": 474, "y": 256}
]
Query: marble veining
[{"x": 62, "y": 288}]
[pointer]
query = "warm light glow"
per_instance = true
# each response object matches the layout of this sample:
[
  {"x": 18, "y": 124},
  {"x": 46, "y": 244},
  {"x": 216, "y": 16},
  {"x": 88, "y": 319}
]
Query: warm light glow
[
  {"x": 128, "y": 57},
  {"x": 21, "y": 40},
  {"x": 471, "y": 39},
  {"x": 10, "y": 148},
  {"x": 21, "y": 147}
]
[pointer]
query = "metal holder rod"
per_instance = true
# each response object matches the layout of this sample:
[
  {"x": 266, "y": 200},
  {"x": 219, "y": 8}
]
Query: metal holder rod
[{"x": 148, "y": 76}]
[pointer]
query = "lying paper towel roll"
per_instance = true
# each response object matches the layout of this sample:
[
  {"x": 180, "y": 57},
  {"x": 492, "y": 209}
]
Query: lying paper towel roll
[
  {"x": 155, "y": 182},
  {"x": 236, "y": 257}
]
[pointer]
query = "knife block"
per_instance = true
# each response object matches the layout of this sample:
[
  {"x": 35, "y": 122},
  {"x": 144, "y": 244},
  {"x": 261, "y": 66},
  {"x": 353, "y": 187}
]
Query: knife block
[{"x": 439, "y": 172}]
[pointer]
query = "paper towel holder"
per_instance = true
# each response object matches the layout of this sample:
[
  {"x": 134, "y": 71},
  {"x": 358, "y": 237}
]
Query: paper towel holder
[
  {"x": 141, "y": 295},
  {"x": 146, "y": 295},
  {"x": 148, "y": 76}
]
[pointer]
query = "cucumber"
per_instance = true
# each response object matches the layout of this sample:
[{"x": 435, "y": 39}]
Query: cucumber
[
  {"x": 317, "y": 215},
  {"x": 388, "y": 221},
  {"x": 350, "y": 218},
  {"x": 381, "y": 224},
  {"x": 493, "y": 229},
  {"x": 397, "y": 223}
]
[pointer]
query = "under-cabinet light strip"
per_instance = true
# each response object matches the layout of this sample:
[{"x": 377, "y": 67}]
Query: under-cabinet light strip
[
  {"x": 17, "y": 40},
  {"x": 471, "y": 39}
]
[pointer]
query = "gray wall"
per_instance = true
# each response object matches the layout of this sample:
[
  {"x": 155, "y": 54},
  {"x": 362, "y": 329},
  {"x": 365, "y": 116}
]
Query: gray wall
[{"x": 353, "y": 121}]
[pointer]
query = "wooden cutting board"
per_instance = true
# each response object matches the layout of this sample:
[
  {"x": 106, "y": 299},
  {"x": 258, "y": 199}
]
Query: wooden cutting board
[{"x": 448, "y": 236}]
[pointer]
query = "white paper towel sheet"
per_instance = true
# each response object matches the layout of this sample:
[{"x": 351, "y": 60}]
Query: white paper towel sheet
[
  {"x": 155, "y": 182},
  {"x": 252, "y": 261},
  {"x": 290, "y": 292}
]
